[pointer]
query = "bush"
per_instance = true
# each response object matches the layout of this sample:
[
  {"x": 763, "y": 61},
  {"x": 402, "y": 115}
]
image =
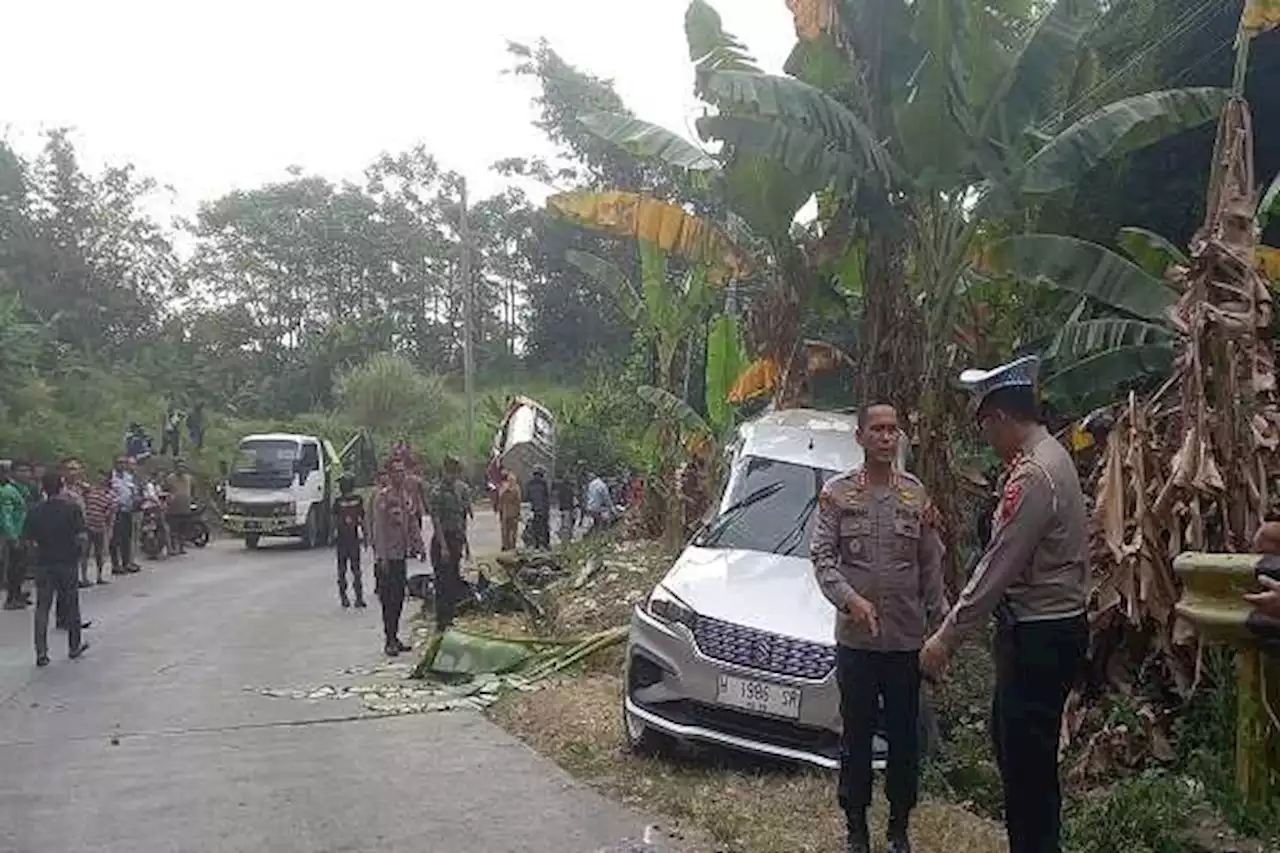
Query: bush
[{"x": 1147, "y": 813}]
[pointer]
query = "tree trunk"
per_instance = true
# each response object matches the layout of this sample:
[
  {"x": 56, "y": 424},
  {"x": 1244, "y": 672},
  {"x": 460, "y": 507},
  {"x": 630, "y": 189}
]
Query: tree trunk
[{"x": 891, "y": 341}]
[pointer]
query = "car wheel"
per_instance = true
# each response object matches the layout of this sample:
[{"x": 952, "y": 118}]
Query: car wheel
[
  {"x": 642, "y": 739},
  {"x": 251, "y": 541}
]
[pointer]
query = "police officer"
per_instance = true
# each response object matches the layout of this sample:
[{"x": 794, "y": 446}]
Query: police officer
[
  {"x": 877, "y": 556},
  {"x": 1034, "y": 576},
  {"x": 448, "y": 522}
]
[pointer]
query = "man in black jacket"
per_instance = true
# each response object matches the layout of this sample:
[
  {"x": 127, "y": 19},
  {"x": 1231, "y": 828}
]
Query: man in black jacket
[
  {"x": 56, "y": 528},
  {"x": 539, "y": 494}
]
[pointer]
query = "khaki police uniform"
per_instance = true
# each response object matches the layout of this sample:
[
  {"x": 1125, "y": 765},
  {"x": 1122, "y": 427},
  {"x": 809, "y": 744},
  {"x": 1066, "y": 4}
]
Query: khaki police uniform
[
  {"x": 1034, "y": 576},
  {"x": 882, "y": 543}
]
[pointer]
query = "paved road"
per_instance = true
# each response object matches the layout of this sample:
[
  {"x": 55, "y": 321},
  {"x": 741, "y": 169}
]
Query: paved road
[{"x": 153, "y": 743}]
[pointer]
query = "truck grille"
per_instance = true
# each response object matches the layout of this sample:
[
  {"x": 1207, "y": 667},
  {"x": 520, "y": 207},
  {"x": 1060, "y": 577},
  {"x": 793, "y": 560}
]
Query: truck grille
[{"x": 761, "y": 650}]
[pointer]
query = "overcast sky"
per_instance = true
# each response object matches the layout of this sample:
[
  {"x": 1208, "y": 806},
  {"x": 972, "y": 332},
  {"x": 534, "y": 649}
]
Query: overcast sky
[{"x": 210, "y": 96}]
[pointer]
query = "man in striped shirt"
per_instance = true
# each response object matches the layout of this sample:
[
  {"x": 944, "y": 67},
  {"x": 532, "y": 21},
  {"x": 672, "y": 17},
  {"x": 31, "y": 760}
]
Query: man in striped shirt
[{"x": 100, "y": 519}]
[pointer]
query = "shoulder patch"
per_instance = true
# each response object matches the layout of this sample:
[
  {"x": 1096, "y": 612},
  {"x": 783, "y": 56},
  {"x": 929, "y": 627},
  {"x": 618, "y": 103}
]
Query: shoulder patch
[{"x": 1010, "y": 500}]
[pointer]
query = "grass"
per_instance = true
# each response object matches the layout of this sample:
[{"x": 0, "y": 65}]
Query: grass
[{"x": 718, "y": 801}]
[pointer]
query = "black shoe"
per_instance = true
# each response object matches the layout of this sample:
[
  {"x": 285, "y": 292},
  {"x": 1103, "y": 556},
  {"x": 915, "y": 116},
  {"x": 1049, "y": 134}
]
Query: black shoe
[
  {"x": 392, "y": 649},
  {"x": 78, "y": 650},
  {"x": 345, "y": 602},
  {"x": 360, "y": 603},
  {"x": 403, "y": 647},
  {"x": 42, "y": 660},
  {"x": 859, "y": 837},
  {"x": 899, "y": 842},
  {"x": 103, "y": 582},
  {"x": 85, "y": 584}
]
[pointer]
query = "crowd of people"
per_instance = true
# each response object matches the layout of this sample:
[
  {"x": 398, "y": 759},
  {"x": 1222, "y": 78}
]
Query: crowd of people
[
  {"x": 62, "y": 531},
  {"x": 588, "y": 500}
]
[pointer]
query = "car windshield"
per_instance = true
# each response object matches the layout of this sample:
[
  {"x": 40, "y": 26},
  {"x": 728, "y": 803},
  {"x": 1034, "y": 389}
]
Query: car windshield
[
  {"x": 267, "y": 455},
  {"x": 264, "y": 464},
  {"x": 768, "y": 506}
]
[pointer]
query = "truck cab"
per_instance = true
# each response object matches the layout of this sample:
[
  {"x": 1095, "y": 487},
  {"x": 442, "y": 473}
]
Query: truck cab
[{"x": 282, "y": 484}]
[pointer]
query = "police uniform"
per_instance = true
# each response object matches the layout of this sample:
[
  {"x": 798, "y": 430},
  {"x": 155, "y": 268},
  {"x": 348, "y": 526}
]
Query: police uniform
[
  {"x": 1034, "y": 575},
  {"x": 396, "y": 535},
  {"x": 882, "y": 543}
]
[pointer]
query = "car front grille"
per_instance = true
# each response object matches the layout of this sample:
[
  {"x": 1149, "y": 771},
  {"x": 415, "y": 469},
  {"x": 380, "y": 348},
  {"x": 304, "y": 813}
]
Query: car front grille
[{"x": 762, "y": 650}]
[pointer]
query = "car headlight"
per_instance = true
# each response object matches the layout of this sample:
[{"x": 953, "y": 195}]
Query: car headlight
[{"x": 664, "y": 606}]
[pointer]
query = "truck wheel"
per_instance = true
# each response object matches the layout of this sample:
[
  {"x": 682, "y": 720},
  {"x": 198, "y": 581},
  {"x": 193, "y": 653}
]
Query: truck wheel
[
  {"x": 251, "y": 541},
  {"x": 309, "y": 532}
]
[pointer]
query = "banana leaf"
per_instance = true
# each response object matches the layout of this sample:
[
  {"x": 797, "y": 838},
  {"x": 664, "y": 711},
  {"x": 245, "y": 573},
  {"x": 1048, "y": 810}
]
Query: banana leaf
[
  {"x": 671, "y": 406},
  {"x": 648, "y": 141},
  {"x": 1031, "y": 80},
  {"x": 1117, "y": 129},
  {"x": 710, "y": 47},
  {"x": 668, "y": 226},
  {"x": 1089, "y": 337},
  {"x": 724, "y": 365},
  {"x": 464, "y": 653},
  {"x": 1085, "y": 268},
  {"x": 1106, "y": 371},
  {"x": 1149, "y": 250},
  {"x": 612, "y": 279}
]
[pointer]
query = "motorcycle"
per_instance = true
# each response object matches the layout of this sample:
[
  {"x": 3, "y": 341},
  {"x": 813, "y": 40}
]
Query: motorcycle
[
  {"x": 151, "y": 532},
  {"x": 154, "y": 533}
]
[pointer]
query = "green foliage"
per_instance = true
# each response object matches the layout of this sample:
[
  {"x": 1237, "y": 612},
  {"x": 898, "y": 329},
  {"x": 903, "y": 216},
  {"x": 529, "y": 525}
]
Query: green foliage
[
  {"x": 1118, "y": 129},
  {"x": 1083, "y": 268},
  {"x": 1147, "y": 813},
  {"x": 387, "y": 393}
]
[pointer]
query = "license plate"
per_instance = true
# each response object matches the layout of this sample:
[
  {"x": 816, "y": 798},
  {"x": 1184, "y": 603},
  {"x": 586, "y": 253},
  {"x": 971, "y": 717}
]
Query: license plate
[
  {"x": 759, "y": 696},
  {"x": 253, "y": 525}
]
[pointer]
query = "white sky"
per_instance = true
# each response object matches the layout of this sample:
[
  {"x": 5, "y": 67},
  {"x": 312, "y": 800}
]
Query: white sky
[{"x": 206, "y": 97}]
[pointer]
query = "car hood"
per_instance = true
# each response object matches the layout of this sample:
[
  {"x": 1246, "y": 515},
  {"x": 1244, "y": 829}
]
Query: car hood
[
  {"x": 241, "y": 495},
  {"x": 765, "y": 591}
]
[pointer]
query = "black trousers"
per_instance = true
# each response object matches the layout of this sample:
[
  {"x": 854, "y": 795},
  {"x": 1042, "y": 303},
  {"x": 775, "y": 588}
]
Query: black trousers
[
  {"x": 391, "y": 578},
  {"x": 15, "y": 569},
  {"x": 122, "y": 541},
  {"x": 349, "y": 560},
  {"x": 540, "y": 530},
  {"x": 864, "y": 678},
  {"x": 1036, "y": 665},
  {"x": 448, "y": 577},
  {"x": 169, "y": 442},
  {"x": 57, "y": 582}
]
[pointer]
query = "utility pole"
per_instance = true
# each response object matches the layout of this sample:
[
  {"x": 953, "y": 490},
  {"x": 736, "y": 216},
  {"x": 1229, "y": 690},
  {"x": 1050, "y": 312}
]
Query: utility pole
[{"x": 468, "y": 324}]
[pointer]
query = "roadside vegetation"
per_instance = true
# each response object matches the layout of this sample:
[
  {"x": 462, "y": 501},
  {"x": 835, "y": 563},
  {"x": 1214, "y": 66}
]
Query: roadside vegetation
[{"x": 977, "y": 179}]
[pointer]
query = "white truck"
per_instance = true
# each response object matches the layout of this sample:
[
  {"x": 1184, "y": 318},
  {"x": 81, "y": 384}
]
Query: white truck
[{"x": 282, "y": 484}]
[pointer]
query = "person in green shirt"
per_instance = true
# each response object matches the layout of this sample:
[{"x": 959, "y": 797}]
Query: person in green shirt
[
  {"x": 13, "y": 516},
  {"x": 448, "y": 536}
]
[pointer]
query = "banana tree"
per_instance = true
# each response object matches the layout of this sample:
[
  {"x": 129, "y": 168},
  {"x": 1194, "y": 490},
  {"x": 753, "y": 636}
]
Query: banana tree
[
  {"x": 704, "y": 437},
  {"x": 756, "y": 196},
  {"x": 668, "y": 312},
  {"x": 944, "y": 123}
]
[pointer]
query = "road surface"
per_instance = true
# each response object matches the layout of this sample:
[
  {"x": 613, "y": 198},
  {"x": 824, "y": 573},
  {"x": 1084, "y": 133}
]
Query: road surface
[{"x": 159, "y": 740}]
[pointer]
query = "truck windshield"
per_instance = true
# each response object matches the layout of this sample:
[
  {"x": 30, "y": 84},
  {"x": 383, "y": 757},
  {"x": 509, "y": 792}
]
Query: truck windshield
[
  {"x": 767, "y": 506},
  {"x": 265, "y": 464}
]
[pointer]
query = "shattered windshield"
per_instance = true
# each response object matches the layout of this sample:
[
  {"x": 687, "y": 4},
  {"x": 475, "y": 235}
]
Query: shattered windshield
[{"x": 767, "y": 506}]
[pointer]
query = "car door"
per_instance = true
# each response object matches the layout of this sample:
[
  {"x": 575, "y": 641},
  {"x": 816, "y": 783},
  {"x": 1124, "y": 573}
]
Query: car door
[{"x": 310, "y": 474}]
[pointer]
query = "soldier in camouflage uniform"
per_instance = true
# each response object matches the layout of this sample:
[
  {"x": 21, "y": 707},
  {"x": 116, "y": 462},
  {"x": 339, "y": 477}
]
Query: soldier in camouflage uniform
[
  {"x": 1034, "y": 576},
  {"x": 877, "y": 556},
  {"x": 448, "y": 538}
]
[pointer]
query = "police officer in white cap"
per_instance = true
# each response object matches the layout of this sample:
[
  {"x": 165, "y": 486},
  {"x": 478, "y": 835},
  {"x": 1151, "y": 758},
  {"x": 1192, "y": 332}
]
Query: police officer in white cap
[{"x": 1034, "y": 576}]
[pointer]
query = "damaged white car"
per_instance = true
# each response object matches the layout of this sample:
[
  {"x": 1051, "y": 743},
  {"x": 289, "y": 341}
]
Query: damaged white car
[{"x": 735, "y": 646}]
